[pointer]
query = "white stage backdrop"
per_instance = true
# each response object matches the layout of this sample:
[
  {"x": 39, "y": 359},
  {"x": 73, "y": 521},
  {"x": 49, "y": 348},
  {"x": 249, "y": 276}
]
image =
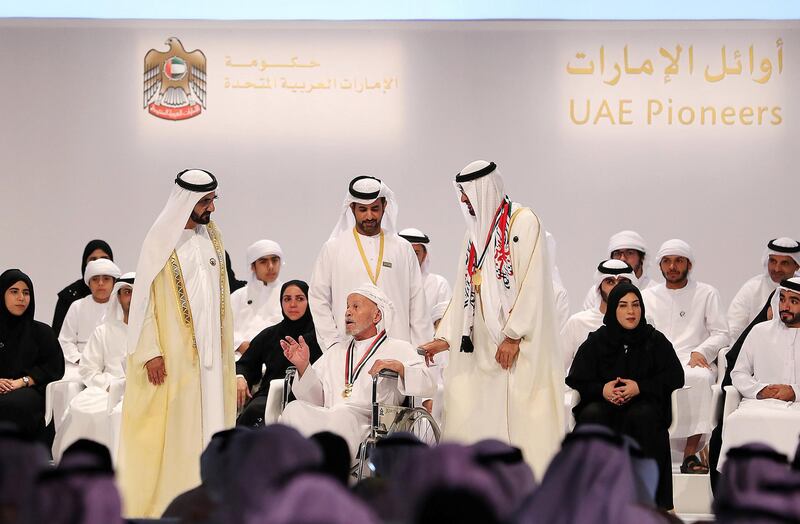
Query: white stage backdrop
[{"x": 674, "y": 129}]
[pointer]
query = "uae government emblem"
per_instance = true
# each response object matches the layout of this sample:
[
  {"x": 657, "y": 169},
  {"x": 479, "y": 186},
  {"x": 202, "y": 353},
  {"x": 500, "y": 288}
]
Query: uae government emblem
[{"x": 174, "y": 82}]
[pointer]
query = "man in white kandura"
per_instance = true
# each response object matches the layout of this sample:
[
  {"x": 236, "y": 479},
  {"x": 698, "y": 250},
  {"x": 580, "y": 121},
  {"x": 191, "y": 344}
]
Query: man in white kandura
[
  {"x": 767, "y": 374},
  {"x": 781, "y": 261},
  {"x": 101, "y": 364},
  {"x": 334, "y": 394},
  {"x": 505, "y": 378},
  {"x": 436, "y": 287},
  {"x": 609, "y": 273},
  {"x": 364, "y": 247},
  {"x": 628, "y": 246},
  {"x": 86, "y": 314},
  {"x": 257, "y": 306},
  {"x": 180, "y": 381},
  {"x": 689, "y": 314}
]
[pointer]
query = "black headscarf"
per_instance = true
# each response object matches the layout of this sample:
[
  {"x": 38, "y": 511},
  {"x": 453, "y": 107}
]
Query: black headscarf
[
  {"x": 301, "y": 326},
  {"x": 613, "y": 330},
  {"x": 13, "y": 328},
  {"x": 91, "y": 246},
  {"x": 27, "y": 348}
]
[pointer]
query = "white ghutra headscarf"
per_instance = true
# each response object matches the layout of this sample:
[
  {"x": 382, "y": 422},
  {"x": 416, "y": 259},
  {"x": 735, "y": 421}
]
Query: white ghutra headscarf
[
  {"x": 366, "y": 190},
  {"x": 489, "y": 250}
]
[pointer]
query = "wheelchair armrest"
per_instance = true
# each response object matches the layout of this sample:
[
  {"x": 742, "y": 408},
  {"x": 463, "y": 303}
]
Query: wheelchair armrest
[
  {"x": 286, "y": 388},
  {"x": 275, "y": 404},
  {"x": 732, "y": 400}
]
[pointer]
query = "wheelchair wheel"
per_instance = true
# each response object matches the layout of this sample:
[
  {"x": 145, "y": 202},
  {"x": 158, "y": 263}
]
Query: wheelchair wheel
[{"x": 418, "y": 422}]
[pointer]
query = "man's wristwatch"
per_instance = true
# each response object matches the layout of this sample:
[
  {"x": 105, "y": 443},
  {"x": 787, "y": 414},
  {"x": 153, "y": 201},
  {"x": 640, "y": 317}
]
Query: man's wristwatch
[{"x": 26, "y": 381}]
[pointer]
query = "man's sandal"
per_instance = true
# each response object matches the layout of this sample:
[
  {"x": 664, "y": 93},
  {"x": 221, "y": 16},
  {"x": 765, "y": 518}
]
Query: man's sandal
[{"x": 693, "y": 466}]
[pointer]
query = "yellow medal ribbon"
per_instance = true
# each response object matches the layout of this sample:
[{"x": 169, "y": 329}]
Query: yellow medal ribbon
[{"x": 372, "y": 276}]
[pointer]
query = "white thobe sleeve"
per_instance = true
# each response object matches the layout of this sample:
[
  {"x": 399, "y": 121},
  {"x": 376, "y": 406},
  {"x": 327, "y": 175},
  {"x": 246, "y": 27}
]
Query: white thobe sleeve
[
  {"x": 418, "y": 381},
  {"x": 443, "y": 293},
  {"x": 419, "y": 315},
  {"x": 739, "y": 311},
  {"x": 308, "y": 387},
  {"x": 149, "y": 346},
  {"x": 68, "y": 337},
  {"x": 320, "y": 300},
  {"x": 717, "y": 326},
  {"x": 92, "y": 366},
  {"x": 742, "y": 374}
]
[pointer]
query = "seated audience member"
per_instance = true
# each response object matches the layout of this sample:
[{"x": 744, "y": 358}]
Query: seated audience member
[
  {"x": 265, "y": 350},
  {"x": 86, "y": 314},
  {"x": 757, "y": 487},
  {"x": 77, "y": 290},
  {"x": 596, "y": 467},
  {"x": 198, "y": 504},
  {"x": 629, "y": 247},
  {"x": 608, "y": 274},
  {"x": 258, "y": 305},
  {"x": 781, "y": 261},
  {"x": 436, "y": 287},
  {"x": 767, "y": 374},
  {"x": 21, "y": 462},
  {"x": 256, "y": 468},
  {"x": 432, "y": 481},
  {"x": 731, "y": 356},
  {"x": 312, "y": 497},
  {"x": 80, "y": 492},
  {"x": 335, "y": 393},
  {"x": 101, "y": 364},
  {"x": 625, "y": 373},
  {"x": 336, "y": 458},
  {"x": 689, "y": 314},
  {"x": 30, "y": 357}
]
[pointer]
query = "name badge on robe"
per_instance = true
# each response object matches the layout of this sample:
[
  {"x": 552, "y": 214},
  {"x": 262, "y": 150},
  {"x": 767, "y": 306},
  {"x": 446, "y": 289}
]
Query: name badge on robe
[{"x": 387, "y": 264}]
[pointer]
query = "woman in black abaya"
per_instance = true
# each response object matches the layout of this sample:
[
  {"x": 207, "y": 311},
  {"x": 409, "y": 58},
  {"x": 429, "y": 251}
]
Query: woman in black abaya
[
  {"x": 30, "y": 356},
  {"x": 625, "y": 373}
]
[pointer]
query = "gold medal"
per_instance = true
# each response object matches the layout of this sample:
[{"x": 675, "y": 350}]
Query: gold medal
[
  {"x": 476, "y": 277},
  {"x": 348, "y": 390}
]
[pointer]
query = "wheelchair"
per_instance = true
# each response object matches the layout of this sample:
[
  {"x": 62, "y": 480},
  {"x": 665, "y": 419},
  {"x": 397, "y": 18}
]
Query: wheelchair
[{"x": 385, "y": 419}]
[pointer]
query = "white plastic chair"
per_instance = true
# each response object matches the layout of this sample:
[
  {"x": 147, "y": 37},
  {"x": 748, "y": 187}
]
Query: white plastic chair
[{"x": 57, "y": 397}]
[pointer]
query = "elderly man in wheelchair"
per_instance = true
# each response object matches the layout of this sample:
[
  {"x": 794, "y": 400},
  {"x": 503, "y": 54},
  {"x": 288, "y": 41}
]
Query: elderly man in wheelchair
[{"x": 368, "y": 370}]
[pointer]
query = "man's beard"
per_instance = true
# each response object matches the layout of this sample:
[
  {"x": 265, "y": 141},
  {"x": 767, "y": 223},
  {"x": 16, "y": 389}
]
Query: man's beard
[
  {"x": 794, "y": 319},
  {"x": 203, "y": 219},
  {"x": 681, "y": 278},
  {"x": 370, "y": 228}
]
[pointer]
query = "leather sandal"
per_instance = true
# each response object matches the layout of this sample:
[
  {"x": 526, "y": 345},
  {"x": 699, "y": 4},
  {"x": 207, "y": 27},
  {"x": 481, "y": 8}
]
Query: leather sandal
[{"x": 692, "y": 466}]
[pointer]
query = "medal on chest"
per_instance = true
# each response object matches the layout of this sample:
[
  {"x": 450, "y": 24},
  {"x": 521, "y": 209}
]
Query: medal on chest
[{"x": 353, "y": 369}]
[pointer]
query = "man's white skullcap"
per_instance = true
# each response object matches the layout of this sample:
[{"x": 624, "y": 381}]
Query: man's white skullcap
[
  {"x": 675, "y": 248},
  {"x": 101, "y": 266},
  {"x": 626, "y": 240},
  {"x": 263, "y": 248}
]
